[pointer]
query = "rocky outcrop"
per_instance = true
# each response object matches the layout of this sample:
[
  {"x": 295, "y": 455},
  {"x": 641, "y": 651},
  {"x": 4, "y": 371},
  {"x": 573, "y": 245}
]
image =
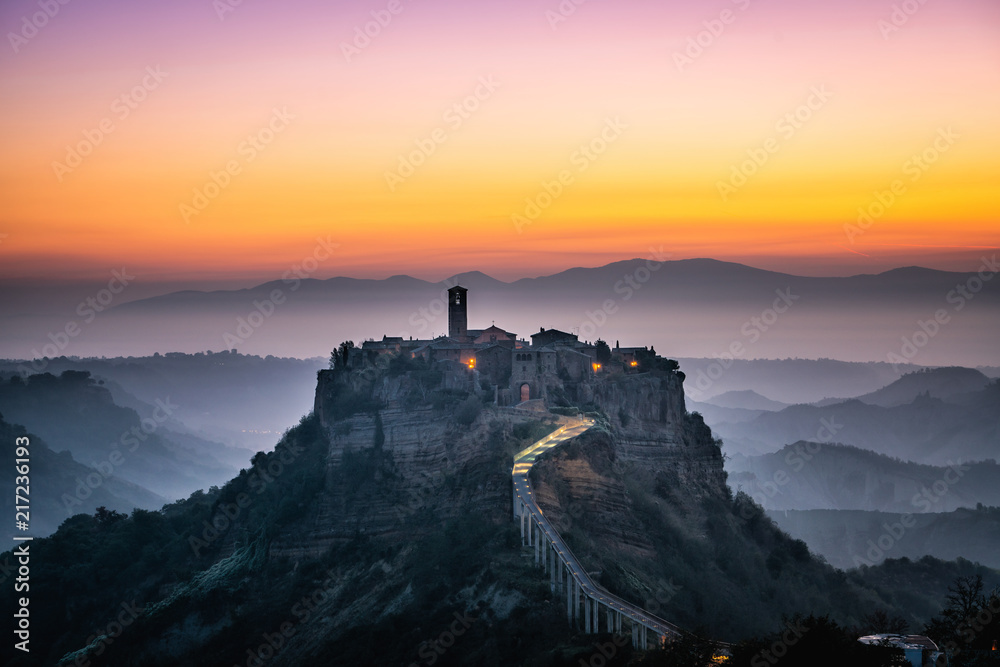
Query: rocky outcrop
[
  {"x": 393, "y": 453},
  {"x": 406, "y": 454}
]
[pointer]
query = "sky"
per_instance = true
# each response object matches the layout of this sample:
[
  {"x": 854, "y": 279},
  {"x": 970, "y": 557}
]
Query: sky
[{"x": 222, "y": 142}]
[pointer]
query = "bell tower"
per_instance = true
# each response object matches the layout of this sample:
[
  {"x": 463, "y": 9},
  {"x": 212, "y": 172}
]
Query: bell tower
[{"x": 458, "y": 318}]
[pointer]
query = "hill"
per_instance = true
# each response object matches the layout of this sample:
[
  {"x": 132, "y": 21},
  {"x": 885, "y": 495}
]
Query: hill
[
  {"x": 76, "y": 413},
  {"x": 948, "y": 384},
  {"x": 60, "y": 487},
  {"x": 849, "y": 538},
  {"x": 381, "y": 523},
  {"x": 788, "y": 381},
  {"x": 746, "y": 399},
  {"x": 927, "y": 430},
  {"x": 243, "y": 401},
  {"x": 807, "y": 475},
  {"x": 701, "y": 308}
]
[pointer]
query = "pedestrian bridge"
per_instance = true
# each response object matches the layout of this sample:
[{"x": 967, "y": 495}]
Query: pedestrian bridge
[{"x": 585, "y": 600}]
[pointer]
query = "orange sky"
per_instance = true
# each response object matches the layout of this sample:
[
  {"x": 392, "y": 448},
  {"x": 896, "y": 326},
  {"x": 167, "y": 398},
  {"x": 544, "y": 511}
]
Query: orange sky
[{"x": 666, "y": 140}]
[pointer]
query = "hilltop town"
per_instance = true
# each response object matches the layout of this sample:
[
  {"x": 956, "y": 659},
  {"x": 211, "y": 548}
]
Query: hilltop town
[{"x": 493, "y": 359}]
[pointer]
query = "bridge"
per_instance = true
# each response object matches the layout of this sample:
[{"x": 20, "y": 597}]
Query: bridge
[{"x": 585, "y": 600}]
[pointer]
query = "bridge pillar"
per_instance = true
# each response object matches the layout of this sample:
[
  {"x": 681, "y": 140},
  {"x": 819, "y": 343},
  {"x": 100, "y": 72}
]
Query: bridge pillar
[
  {"x": 611, "y": 621},
  {"x": 569, "y": 598},
  {"x": 586, "y": 615},
  {"x": 597, "y": 616},
  {"x": 536, "y": 545},
  {"x": 576, "y": 599},
  {"x": 521, "y": 515}
]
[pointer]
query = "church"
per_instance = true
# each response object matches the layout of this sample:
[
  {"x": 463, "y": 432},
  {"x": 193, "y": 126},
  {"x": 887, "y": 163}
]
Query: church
[{"x": 516, "y": 370}]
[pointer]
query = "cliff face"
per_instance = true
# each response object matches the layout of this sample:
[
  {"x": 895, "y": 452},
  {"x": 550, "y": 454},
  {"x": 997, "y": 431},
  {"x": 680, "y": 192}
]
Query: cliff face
[
  {"x": 413, "y": 451},
  {"x": 387, "y": 516},
  {"x": 398, "y": 460},
  {"x": 402, "y": 456},
  {"x": 650, "y": 428},
  {"x": 649, "y": 443}
]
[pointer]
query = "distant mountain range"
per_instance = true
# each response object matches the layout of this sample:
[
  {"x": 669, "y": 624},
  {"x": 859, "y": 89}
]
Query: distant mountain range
[
  {"x": 806, "y": 476},
  {"x": 243, "y": 401},
  {"x": 685, "y": 308},
  {"x": 935, "y": 417},
  {"x": 943, "y": 383},
  {"x": 746, "y": 399},
  {"x": 74, "y": 413},
  {"x": 62, "y": 487},
  {"x": 848, "y": 539}
]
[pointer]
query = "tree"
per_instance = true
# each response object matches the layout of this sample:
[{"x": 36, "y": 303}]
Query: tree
[
  {"x": 603, "y": 352},
  {"x": 468, "y": 410},
  {"x": 340, "y": 355},
  {"x": 970, "y": 622},
  {"x": 816, "y": 641},
  {"x": 879, "y": 622},
  {"x": 105, "y": 516}
]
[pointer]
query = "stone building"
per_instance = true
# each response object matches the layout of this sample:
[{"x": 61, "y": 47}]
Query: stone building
[{"x": 516, "y": 369}]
